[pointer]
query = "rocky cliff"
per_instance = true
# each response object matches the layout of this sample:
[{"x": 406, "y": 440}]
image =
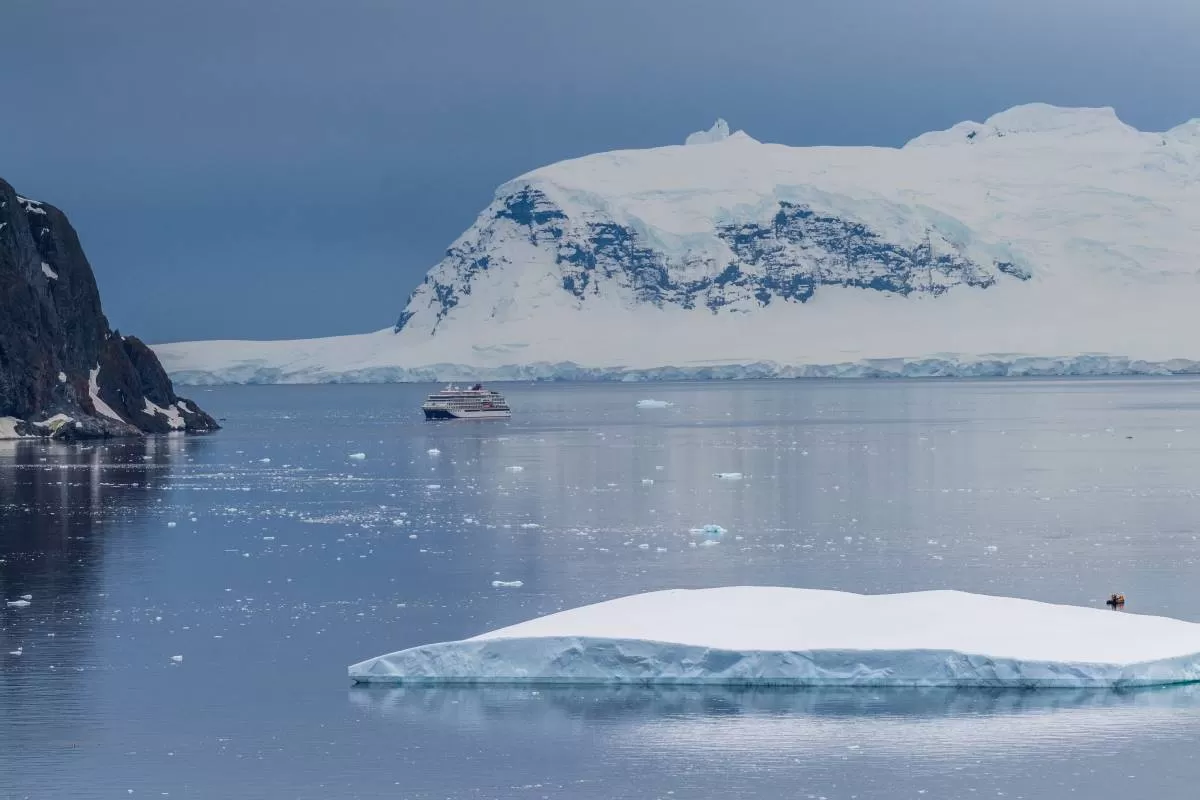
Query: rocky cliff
[{"x": 63, "y": 372}]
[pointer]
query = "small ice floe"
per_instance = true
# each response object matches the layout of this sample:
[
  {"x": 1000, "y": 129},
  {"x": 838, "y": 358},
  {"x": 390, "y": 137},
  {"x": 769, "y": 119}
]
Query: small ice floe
[
  {"x": 433, "y": 451},
  {"x": 507, "y": 584},
  {"x": 17, "y": 603},
  {"x": 709, "y": 543},
  {"x": 19, "y": 651},
  {"x": 728, "y": 476},
  {"x": 171, "y": 524},
  {"x": 177, "y": 659},
  {"x": 647, "y": 481},
  {"x": 433, "y": 486},
  {"x": 650, "y": 403},
  {"x": 264, "y": 461},
  {"x": 26, "y": 597},
  {"x": 530, "y": 525},
  {"x": 357, "y": 456},
  {"x": 709, "y": 530},
  {"x": 515, "y": 468}
]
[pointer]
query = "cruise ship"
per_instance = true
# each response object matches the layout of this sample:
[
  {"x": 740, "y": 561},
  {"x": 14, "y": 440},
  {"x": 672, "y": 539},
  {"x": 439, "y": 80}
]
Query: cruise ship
[{"x": 474, "y": 403}]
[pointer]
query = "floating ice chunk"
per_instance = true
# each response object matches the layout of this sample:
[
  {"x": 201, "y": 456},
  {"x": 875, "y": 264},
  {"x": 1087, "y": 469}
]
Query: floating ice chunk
[
  {"x": 26, "y": 597},
  {"x": 728, "y": 476},
  {"x": 264, "y": 461},
  {"x": 177, "y": 659},
  {"x": 710, "y": 543},
  {"x": 434, "y": 486},
  {"x": 515, "y": 468},
  {"x": 806, "y": 637},
  {"x": 507, "y": 584},
  {"x": 357, "y": 456},
  {"x": 171, "y": 524},
  {"x": 433, "y": 451},
  {"x": 17, "y": 603},
  {"x": 709, "y": 530},
  {"x": 647, "y": 481},
  {"x": 648, "y": 403}
]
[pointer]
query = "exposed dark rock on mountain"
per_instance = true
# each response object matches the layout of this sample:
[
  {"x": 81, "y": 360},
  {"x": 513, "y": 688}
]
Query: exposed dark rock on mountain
[
  {"x": 786, "y": 259},
  {"x": 63, "y": 372}
]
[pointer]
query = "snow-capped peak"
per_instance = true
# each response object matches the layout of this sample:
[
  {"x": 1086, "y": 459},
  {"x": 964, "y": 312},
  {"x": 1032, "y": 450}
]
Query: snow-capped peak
[
  {"x": 1032, "y": 119},
  {"x": 1188, "y": 132},
  {"x": 1026, "y": 234},
  {"x": 717, "y": 133},
  {"x": 1045, "y": 118}
]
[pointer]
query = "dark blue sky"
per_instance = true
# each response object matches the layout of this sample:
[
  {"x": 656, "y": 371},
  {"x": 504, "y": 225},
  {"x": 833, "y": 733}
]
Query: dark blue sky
[{"x": 288, "y": 168}]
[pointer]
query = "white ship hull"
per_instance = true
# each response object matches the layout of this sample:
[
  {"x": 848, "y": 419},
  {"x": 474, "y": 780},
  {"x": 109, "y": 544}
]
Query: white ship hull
[{"x": 455, "y": 413}]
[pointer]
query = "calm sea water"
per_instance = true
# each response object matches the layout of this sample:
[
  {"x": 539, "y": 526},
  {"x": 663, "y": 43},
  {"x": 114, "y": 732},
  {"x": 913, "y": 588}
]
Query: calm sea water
[{"x": 270, "y": 560}]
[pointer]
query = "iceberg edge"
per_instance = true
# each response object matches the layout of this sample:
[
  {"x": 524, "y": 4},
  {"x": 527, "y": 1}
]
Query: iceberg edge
[
  {"x": 576, "y": 661},
  {"x": 785, "y": 636}
]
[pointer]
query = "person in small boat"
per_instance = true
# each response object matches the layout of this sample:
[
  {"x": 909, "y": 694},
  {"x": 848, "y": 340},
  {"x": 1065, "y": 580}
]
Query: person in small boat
[{"x": 1115, "y": 601}]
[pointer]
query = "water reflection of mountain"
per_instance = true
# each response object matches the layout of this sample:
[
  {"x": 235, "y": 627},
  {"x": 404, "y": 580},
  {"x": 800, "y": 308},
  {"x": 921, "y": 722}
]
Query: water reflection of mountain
[
  {"x": 679, "y": 717},
  {"x": 607, "y": 477},
  {"x": 875, "y": 487},
  {"x": 58, "y": 506},
  {"x": 53, "y": 498}
]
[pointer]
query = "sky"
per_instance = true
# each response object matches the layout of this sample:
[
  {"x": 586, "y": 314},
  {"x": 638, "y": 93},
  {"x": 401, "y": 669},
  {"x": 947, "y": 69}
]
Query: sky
[{"x": 291, "y": 168}]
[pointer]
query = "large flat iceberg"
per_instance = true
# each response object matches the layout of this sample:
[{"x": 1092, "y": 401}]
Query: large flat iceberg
[{"x": 761, "y": 635}]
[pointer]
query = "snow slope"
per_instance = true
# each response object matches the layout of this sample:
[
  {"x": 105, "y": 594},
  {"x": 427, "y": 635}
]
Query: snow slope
[
  {"x": 1043, "y": 240},
  {"x": 785, "y": 636}
]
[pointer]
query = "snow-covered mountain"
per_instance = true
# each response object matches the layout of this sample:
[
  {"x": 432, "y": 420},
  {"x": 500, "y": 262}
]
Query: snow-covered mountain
[{"x": 1043, "y": 240}]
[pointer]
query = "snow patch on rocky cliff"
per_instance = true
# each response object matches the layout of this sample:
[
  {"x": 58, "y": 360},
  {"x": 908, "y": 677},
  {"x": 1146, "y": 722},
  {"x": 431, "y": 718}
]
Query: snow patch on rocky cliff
[
  {"x": 174, "y": 419},
  {"x": 8, "y": 428},
  {"x": 102, "y": 408}
]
